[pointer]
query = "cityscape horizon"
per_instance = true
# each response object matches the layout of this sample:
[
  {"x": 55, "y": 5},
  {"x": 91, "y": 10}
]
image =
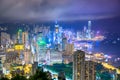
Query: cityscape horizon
[{"x": 59, "y": 40}]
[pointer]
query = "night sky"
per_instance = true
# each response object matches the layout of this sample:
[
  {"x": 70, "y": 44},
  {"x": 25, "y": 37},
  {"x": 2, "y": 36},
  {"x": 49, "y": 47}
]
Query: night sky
[
  {"x": 104, "y": 14},
  {"x": 64, "y": 10}
]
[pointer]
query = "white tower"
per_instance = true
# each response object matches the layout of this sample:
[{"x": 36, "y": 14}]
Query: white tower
[{"x": 89, "y": 29}]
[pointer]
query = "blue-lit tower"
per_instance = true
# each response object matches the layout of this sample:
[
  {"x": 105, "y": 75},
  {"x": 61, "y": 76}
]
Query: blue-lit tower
[
  {"x": 89, "y": 29},
  {"x": 58, "y": 37}
]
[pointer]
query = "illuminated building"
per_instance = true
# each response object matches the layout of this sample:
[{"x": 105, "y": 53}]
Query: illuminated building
[
  {"x": 5, "y": 39},
  {"x": 19, "y": 47},
  {"x": 55, "y": 57},
  {"x": 12, "y": 57},
  {"x": 56, "y": 27},
  {"x": 69, "y": 49},
  {"x": 89, "y": 29},
  {"x": 79, "y": 65},
  {"x": 10, "y": 49},
  {"x": 27, "y": 57},
  {"x": 64, "y": 44},
  {"x": 19, "y": 36},
  {"x": 82, "y": 70},
  {"x": 67, "y": 53},
  {"x": 2, "y": 61},
  {"x": 99, "y": 57},
  {"x": 41, "y": 48},
  {"x": 58, "y": 37},
  {"x": 25, "y": 40},
  {"x": 67, "y": 59},
  {"x": 90, "y": 70}
]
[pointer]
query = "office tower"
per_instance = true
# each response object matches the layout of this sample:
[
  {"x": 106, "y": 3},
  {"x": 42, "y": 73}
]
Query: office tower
[
  {"x": 89, "y": 25},
  {"x": 58, "y": 37},
  {"x": 19, "y": 36},
  {"x": 40, "y": 48},
  {"x": 79, "y": 65},
  {"x": 89, "y": 29},
  {"x": 64, "y": 44},
  {"x": 69, "y": 49},
  {"x": 5, "y": 39},
  {"x": 56, "y": 27},
  {"x": 25, "y": 40},
  {"x": 24, "y": 37},
  {"x": 27, "y": 57},
  {"x": 82, "y": 70},
  {"x": 90, "y": 70}
]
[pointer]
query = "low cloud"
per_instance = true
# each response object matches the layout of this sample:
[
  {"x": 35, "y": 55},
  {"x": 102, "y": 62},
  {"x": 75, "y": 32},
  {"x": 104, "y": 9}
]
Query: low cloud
[{"x": 50, "y": 10}]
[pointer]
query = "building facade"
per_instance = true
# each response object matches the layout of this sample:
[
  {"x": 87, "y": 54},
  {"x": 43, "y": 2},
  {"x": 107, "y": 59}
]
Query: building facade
[
  {"x": 83, "y": 70},
  {"x": 79, "y": 65}
]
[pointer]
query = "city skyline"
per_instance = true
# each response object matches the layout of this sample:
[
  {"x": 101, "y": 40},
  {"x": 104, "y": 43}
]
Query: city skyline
[
  {"x": 60, "y": 39},
  {"x": 109, "y": 28}
]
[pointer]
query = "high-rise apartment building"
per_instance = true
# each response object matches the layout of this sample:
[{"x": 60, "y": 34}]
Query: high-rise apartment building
[
  {"x": 79, "y": 65},
  {"x": 82, "y": 70},
  {"x": 90, "y": 70}
]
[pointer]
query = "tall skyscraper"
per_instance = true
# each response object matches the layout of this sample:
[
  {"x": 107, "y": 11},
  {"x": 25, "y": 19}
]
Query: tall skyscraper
[
  {"x": 79, "y": 65},
  {"x": 89, "y": 25},
  {"x": 90, "y": 70},
  {"x": 64, "y": 44},
  {"x": 89, "y": 29},
  {"x": 19, "y": 36},
  {"x": 25, "y": 40},
  {"x": 82, "y": 70}
]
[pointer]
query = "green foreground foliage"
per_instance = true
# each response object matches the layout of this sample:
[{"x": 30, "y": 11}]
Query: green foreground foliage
[{"x": 39, "y": 75}]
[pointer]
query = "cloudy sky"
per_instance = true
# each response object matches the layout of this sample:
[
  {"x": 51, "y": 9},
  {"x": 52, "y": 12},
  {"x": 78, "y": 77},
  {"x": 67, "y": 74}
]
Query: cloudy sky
[{"x": 49, "y": 10}]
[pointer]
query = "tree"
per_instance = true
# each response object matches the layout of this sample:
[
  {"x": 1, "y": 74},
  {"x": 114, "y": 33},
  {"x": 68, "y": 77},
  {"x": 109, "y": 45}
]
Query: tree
[
  {"x": 18, "y": 77},
  {"x": 118, "y": 76},
  {"x": 105, "y": 76},
  {"x": 40, "y": 75},
  {"x": 4, "y": 78}
]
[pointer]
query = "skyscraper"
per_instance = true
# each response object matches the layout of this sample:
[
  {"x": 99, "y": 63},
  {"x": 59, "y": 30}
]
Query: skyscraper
[
  {"x": 89, "y": 29},
  {"x": 25, "y": 40},
  {"x": 78, "y": 65},
  {"x": 64, "y": 44},
  {"x": 19, "y": 36},
  {"x": 82, "y": 70},
  {"x": 90, "y": 70}
]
